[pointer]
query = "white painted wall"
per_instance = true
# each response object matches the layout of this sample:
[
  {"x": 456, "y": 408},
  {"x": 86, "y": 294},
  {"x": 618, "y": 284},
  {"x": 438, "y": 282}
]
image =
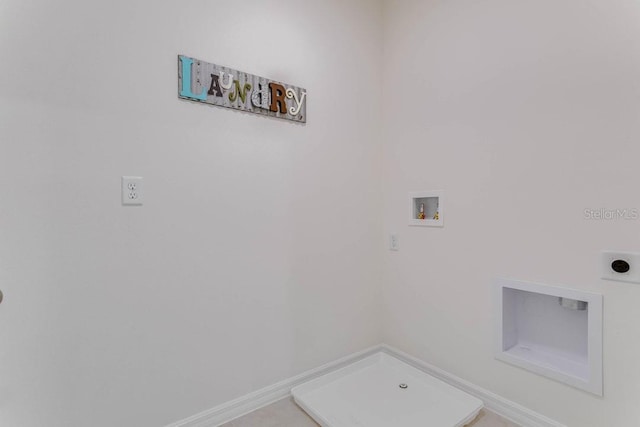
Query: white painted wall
[
  {"x": 257, "y": 254},
  {"x": 251, "y": 260},
  {"x": 525, "y": 113}
]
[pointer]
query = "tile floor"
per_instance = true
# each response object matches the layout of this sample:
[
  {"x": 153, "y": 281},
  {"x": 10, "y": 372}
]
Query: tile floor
[{"x": 285, "y": 413}]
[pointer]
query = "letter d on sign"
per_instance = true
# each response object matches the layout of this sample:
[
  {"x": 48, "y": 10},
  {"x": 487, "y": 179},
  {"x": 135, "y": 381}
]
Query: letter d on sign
[{"x": 185, "y": 91}]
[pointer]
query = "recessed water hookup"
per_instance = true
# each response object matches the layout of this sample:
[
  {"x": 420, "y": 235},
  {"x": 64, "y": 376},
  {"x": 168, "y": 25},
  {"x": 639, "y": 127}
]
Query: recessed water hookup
[{"x": 426, "y": 208}]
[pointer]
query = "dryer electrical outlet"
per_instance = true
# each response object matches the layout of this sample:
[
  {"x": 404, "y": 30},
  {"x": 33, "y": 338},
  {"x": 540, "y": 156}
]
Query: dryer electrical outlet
[{"x": 621, "y": 266}]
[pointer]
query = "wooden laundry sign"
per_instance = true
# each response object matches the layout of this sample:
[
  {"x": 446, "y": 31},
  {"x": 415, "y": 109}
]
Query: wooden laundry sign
[{"x": 225, "y": 87}]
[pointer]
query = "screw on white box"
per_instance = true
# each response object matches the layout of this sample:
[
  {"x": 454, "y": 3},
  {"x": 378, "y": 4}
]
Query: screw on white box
[{"x": 132, "y": 190}]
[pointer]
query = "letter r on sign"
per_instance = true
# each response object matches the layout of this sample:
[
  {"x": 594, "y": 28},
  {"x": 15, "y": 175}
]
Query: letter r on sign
[{"x": 278, "y": 100}]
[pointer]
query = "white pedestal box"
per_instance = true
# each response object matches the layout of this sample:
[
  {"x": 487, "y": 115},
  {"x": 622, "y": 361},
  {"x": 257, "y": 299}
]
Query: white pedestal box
[
  {"x": 382, "y": 391},
  {"x": 552, "y": 331}
]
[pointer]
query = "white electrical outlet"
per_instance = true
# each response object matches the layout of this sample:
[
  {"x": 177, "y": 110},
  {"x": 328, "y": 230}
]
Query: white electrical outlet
[
  {"x": 394, "y": 245},
  {"x": 132, "y": 190},
  {"x": 621, "y": 266}
]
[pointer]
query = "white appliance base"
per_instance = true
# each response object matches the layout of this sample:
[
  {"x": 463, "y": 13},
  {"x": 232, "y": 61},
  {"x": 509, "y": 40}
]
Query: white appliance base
[{"x": 368, "y": 393}]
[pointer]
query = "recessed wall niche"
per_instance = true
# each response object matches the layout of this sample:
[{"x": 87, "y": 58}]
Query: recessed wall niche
[
  {"x": 427, "y": 208},
  {"x": 552, "y": 331}
]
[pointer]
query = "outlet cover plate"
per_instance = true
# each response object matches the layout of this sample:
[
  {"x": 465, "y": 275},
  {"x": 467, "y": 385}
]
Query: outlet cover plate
[
  {"x": 132, "y": 190},
  {"x": 394, "y": 244}
]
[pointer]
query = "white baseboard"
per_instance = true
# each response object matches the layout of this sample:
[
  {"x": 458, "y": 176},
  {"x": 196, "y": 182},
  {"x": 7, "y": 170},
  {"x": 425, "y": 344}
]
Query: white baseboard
[
  {"x": 236, "y": 408},
  {"x": 243, "y": 405}
]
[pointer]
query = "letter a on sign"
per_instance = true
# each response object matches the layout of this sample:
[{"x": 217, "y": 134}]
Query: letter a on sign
[{"x": 215, "y": 88}]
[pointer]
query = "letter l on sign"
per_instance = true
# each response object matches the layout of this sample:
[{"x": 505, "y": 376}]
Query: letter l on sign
[{"x": 186, "y": 81}]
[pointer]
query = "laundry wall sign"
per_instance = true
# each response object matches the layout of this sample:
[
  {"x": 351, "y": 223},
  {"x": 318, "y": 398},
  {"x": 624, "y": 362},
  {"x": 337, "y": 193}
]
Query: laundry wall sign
[{"x": 223, "y": 86}]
